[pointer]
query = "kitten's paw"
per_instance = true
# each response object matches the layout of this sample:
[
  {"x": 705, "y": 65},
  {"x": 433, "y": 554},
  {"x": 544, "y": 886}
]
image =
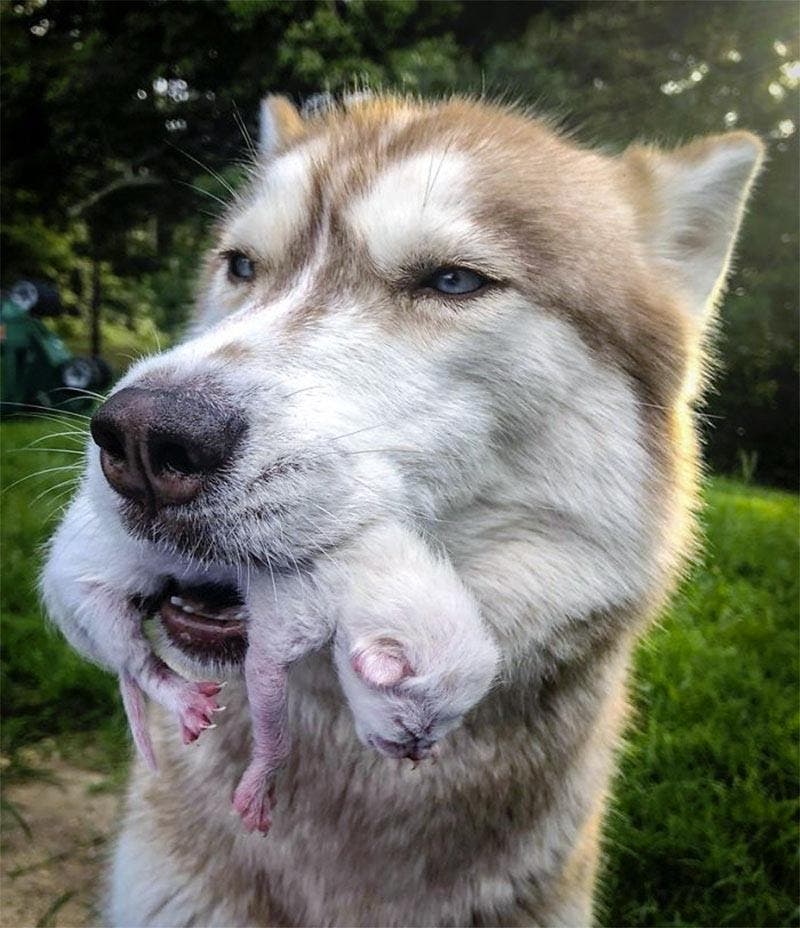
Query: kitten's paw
[
  {"x": 254, "y": 799},
  {"x": 196, "y": 706}
]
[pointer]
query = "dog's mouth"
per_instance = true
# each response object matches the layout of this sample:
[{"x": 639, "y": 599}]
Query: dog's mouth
[{"x": 206, "y": 620}]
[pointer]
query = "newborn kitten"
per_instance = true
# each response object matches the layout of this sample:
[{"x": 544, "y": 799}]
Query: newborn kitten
[
  {"x": 410, "y": 648},
  {"x": 93, "y": 588}
]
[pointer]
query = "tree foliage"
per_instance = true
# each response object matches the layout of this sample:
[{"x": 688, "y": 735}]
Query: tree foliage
[{"x": 126, "y": 122}]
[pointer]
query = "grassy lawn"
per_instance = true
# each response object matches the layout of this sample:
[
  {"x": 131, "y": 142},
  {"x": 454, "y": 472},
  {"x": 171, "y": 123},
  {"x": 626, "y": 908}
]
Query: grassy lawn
[
  {"x": 704, "y": 825},
  {"x": 47, "y": 690},
  {"x": 704, "y": 828}
]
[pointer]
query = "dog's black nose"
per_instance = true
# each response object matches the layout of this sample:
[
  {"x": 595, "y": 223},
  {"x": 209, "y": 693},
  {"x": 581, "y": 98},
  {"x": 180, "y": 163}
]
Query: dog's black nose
[{"x": 160, "y": 446}]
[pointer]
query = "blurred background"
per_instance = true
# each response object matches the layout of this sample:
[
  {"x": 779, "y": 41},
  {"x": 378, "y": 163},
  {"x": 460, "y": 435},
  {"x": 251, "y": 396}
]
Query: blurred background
[{"x": 125, "y": 126}]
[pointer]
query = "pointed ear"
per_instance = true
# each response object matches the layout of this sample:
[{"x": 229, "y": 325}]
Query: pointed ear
[
  {"x": 381, "y": 663},
  {"x": 279, "y": 124},
  {"x": 690, "y": 203}
]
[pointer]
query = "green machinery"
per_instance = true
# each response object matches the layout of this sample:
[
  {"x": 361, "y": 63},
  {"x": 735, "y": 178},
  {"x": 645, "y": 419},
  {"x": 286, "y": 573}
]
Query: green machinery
[{"x": 36, "y": 367}]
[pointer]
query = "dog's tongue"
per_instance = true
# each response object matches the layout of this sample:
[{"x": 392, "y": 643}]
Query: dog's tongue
[{"x": 208, "y": 620}]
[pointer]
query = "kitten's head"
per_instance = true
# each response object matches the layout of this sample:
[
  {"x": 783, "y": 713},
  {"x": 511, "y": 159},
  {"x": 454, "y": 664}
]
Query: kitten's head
[{"x": 407, "y": 696}]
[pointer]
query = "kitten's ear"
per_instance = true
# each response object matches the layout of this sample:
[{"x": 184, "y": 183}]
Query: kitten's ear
[
  {"x": 279, "y": 124},
  {"x": 381, "y": 663},
  {"x": 690, "y": 204}
]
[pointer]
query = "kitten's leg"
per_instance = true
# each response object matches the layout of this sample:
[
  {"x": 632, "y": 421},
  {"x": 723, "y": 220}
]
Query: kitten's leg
[
  {"x": 108, "y": 629},
  {"x": 87, "y": 586},
  {"x": 288, "y": 618},
  {"x": 266, "y": 691},
  {"x": 412, "y": 653},
  {"x": 133, "y": 701}
]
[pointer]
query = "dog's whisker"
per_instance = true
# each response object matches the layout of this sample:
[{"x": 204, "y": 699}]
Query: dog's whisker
[
  {"x": 301, "y": 390},
  {"x": 41, "y": 473},
  {"x": 349, "y": 453},
  {"x": 205, "y": 193},
  {"x": 38, "y": 411},
  {"x": 71, "y": 434},
  {"x": 46, "y": 492},
  {"x": 42, "y": 449},
  {"x": 366, "y": 428},
  {"x": 248, "y": 139},
  {"x": 272, "y": 580},
  {"x": 81, "y": 391}
]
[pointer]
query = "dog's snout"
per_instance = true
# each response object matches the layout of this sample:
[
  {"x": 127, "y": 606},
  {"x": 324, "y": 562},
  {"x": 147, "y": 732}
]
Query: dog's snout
[{"x": 160, "y": 446}]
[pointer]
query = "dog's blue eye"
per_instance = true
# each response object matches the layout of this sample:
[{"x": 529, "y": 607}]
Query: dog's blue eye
[
  {"x": 240, "y": 266},
  {"x": 455, "y": 281}
]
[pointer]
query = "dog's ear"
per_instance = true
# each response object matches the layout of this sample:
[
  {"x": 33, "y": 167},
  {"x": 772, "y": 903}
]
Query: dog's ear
[
  {"x": 279, "y": 124},
  {"x": 690, "y": 204},
  {"x": 381, "y": 663}
]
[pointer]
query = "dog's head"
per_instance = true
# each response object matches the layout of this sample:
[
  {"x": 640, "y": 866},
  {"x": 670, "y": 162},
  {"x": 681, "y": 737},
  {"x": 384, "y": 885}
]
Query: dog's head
[{"x": 414, "y": 308}]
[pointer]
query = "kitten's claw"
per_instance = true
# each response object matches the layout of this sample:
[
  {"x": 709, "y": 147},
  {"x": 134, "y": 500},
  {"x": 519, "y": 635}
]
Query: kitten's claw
[
  {"x": 209, "y": 688},
  {"x": 196, "y": 706}
]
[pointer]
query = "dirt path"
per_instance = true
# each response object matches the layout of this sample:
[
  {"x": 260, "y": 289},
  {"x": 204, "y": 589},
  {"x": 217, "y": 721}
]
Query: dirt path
[{"x": 52, "y": 866}]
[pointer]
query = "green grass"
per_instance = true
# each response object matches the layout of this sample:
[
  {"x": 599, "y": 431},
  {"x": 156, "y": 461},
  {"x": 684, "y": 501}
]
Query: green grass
[
  {"x": 47, "y": 689},
  {"x": 704, "y": 825},
  {"x": 704, "y": 830}
]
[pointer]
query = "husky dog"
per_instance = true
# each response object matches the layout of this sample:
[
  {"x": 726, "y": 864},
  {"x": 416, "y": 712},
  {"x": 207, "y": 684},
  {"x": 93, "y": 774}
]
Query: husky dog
[{"x": 445, "y": 315}]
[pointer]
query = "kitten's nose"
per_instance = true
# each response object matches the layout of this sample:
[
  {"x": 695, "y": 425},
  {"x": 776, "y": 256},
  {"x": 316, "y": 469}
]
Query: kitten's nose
[{"x": 160, "y": 446}]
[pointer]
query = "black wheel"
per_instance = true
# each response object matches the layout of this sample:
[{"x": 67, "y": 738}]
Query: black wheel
[
  {"x": 38, "y": 297},
  {"x": 78, "y": 374}
]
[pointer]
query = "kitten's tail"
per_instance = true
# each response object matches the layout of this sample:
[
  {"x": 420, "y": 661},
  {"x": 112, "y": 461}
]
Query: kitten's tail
[{"x": 133, "y": 700}]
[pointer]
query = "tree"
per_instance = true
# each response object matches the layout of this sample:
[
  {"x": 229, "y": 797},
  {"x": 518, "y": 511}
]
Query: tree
[
  {"x": 126, "y": 125},
  {"x": 666, "y": 72}
]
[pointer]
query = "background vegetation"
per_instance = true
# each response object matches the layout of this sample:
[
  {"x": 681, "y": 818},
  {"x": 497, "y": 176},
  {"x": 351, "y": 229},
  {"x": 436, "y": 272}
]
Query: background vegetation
[{"x": 125, "y": 121}]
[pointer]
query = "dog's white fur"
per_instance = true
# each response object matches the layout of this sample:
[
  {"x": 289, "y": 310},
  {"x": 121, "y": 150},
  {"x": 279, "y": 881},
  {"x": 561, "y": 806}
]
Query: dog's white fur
[{"x": 538, "y": 431}]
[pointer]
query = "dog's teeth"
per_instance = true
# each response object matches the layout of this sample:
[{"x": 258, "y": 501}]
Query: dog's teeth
[
  {"x": 176, "y": 601},
  {"x": 188, "y": 608},
  {"x": 240, "y": 615}
]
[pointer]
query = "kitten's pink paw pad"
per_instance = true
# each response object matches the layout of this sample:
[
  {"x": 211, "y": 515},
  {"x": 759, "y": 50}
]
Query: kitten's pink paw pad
[{"x": 254, "y": 799}]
